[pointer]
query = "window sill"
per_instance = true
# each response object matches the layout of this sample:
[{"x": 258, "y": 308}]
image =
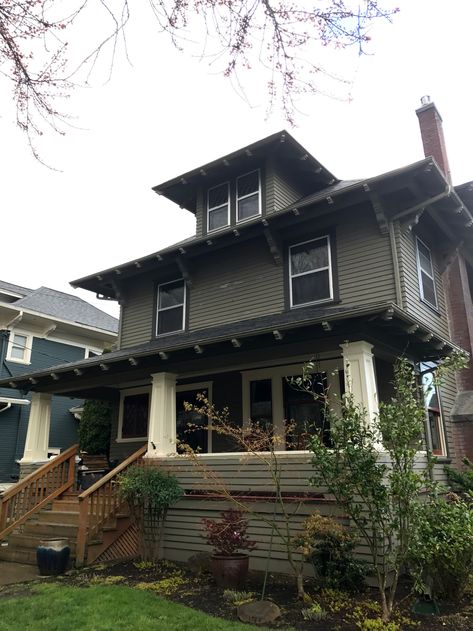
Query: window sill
[
  {"x": 431, "y": 307},
  {"x": 309, "y": 305},
  {"x": 18, "y": 361}
]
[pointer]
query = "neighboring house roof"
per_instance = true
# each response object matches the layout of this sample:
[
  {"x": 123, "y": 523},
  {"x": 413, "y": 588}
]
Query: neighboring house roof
[
  {"x": 14, "y": 289},
  {"x": 67, "y": 307}
]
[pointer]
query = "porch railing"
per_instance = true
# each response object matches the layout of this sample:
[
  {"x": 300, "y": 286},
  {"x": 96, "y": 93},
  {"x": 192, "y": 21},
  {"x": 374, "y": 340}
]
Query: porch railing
[
  {"x": 100, "y": 503},
  {"x": 36, "y": 490}
]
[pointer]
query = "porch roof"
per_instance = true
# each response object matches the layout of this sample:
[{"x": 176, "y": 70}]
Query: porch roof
[{"x": 384, "y": 318}]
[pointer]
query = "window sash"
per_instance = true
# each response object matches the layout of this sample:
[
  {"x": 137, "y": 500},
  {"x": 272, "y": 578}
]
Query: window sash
[
  {"x": 256, "y": 192},
  {"x": 323, "y": 268},
  {"x": 211, "y": 209},
  {"x": 422, "y": 270},
  {"x": 176, "y": 307}
]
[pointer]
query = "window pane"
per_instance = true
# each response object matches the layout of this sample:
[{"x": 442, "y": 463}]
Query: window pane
[
  {"x": 424, "y": 258},
  {"x": 17, "y": 352},
  {"x": 171, "y": 295},
  {"x": 248, "y": 184},
  {"x": 435, "y": 429},
  {"x": 248, "y": 207},
  {"x": 135, "y": 416},
  {"x": 218, "y": 196},
  {"x": 170, "y": 320},
  {"x": 428, "y": 290},
  {"x": 218, "y": 218},
  {"x": 309, "y": 256},
  {"x": 310, "y": 288},
  {"x": 191, "y": 426},
  {"x": 305, "y": 412},
  {"x": 261, "y": 408}
]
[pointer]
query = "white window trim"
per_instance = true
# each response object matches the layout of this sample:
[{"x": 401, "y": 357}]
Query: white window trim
[
  {"x": 91, "y": 349},
  {"x": 123, "y": 394},
  {"x": 204, "y": 385},
  {"x": 319, "y": 269},
  {"x": 331, "y": 368},
  {"x": 28, "y": 346},
  {"x": 209, "y": 210},
  {"x": 173, "y": 307},
  {"x": 249, "y": 195},
  {"x": 420, "y": 271}
]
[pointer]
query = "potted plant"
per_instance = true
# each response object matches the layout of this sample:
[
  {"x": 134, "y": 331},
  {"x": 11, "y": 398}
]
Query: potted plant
[{"x": 228, "y": 536}]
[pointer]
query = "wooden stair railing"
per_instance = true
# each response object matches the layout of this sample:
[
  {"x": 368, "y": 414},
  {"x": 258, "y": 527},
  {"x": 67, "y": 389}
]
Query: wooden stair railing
[
  {"x": 36, "y": 490},
  {"x": 99, "y": 503}
]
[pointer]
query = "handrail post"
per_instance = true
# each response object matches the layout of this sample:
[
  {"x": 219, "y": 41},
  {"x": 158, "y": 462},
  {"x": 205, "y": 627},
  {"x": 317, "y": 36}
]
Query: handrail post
[
  {"x": 82, "y": 531},
  {"x": 71, "y": 474},
  {"x": 3, "y": 513}
]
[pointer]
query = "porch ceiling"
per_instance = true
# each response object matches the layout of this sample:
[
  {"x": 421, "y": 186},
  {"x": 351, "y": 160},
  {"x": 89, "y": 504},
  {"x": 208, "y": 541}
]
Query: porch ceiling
[{"x": 307, "y": 331}]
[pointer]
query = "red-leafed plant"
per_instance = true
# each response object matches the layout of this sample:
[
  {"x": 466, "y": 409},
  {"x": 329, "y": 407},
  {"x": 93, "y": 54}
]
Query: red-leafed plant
[{"x": 228, "y": 535}]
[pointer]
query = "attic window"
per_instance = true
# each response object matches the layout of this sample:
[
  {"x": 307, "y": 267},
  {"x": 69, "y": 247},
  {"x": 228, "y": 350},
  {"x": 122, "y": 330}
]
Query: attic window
[
  {"x": 248, "y": 196},
  {"x": 171, "y": 307},
  {"x": 426, "y": 274},
  {"x": 310, "y": 272},
  {"x": 218, "y": 207}
]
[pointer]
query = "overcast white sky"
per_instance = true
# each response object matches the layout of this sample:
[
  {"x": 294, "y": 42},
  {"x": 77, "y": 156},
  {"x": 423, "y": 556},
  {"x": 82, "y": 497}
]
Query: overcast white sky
[{"x": 169, "y": 113}]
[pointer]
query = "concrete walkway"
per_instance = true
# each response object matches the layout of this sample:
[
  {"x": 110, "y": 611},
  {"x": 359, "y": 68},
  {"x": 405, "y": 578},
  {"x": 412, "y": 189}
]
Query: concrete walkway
[{"x": 17, "y": 573}]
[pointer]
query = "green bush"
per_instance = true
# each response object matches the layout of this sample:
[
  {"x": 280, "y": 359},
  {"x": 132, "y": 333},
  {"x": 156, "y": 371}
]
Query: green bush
[
  {"x": 462, "y": 480},
  {"x": 94, "y": 427},
  {"x": 441, "y": 547}
]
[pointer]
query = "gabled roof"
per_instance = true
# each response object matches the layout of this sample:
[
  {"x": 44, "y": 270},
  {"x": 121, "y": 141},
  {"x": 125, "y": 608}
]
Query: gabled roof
[{"x": 67, "y": 307}]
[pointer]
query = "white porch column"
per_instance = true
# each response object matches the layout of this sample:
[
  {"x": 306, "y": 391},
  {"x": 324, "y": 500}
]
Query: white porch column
[
  {"x": 37, "y": 436},
  {"x": 360, "y": 378},
  {"x": 162, "y": 415}
]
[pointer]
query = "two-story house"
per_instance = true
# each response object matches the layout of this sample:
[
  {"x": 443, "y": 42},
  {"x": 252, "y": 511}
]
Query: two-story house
[
  {"x": 40, "y": 328},
  {"x": 288, "y": 264}
]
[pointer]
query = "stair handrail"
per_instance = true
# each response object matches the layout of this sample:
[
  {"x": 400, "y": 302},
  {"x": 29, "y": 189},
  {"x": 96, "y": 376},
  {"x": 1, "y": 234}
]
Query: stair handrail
[
  {"x": 27, "y": 497},
  {"x": 91, "y": 497}
]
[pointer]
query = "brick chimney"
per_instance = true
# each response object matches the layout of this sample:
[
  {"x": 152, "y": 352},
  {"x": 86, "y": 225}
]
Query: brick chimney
[{"x": 431, "y": 131}]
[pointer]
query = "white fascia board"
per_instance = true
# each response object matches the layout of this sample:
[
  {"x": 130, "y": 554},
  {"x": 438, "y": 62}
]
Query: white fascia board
[{"x": 14, "y": 401}]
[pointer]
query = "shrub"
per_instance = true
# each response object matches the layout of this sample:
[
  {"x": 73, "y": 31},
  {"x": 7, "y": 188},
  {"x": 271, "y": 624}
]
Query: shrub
[
  {"x": 441, "y": 548},
  {"x": 315, "y": 613},
  {"x": 228, "y": 535},
  {"x": 462, "y": 480},
  {"x": 94, "y": 427},
  {"x": 329, "y": 547}
]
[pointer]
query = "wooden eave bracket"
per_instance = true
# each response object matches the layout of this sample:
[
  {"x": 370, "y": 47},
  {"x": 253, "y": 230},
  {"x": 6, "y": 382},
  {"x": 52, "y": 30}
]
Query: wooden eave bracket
[
  {"x": 274, "y": 247},
  {"x": 378, "y": 208},
  {"x": 448, "y": 256},
  {"x": 117, "y": 291},
  {"x": 182, "y": 265}
]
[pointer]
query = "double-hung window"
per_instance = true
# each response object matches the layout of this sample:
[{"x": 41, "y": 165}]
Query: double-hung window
[
  {"x": 426, "y": 274},
  {"x": 248, "y": 196},
  {"x": 310, "y": 272},
  {"x": 218, "y": 207},
  {"x": 19, "y": 348},
  {"x": 171, "y": 307},
  {"x": 432, "y": 403}
]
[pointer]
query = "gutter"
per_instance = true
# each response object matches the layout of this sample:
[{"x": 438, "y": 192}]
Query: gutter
[{"x": 7, "y": 407}]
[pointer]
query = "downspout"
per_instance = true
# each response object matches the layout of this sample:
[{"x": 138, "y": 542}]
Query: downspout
[
  {"x": 7, "y": 407},
  {"x": 397, "y": 273}
]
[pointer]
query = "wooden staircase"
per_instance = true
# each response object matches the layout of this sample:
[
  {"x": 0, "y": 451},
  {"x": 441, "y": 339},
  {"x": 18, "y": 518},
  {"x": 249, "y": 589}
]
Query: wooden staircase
[{"x": 96, "y": 522}]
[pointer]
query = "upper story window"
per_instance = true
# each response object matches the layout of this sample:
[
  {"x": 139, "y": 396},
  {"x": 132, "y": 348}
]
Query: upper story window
[
  {"x": 19, "y": 348},
  {"x": 171, "y": 307},
  {"x": 248, "y": 196},
  {"x": 426, "y": 274},
  {"x": 310, "y": 272},
  {"x": 218, "y": 206}
]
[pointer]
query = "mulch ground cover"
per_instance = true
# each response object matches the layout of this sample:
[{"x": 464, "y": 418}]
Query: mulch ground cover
[{"x": 197, "y": 589}]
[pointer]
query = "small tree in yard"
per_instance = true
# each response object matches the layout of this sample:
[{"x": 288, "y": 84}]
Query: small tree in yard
[{"x": 381, "y": 499}]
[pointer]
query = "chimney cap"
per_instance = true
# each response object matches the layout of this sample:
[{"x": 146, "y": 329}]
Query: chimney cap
[{"x": 425, "y": 100}]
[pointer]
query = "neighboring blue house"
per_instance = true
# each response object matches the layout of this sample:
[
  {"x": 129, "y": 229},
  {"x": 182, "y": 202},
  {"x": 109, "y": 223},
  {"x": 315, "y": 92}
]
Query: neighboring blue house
[{"x": 40, "y": 328}]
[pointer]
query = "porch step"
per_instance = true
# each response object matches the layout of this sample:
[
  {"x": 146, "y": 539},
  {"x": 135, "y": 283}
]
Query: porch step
[
  {"x": 58, "y": 517},
  {"x": 31, "y": 542},
  {"x": 18, "y": 555},
  {"x": 69, "y": 505},
  {"x": 50, "y": 529}
]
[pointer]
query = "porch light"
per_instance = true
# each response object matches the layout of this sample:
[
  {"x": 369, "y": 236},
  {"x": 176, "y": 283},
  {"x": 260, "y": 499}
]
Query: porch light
[
  {"x": 235, "y": 343},
  {"x": 163, "y": 355}
]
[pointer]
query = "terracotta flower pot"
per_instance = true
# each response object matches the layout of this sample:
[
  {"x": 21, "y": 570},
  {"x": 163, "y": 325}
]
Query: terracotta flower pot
[
  {"x": 52, "y": 556},
  {"x": 230, "y": 571}
]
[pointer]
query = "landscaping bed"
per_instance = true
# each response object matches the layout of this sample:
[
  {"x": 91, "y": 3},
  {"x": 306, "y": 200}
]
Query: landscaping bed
[{"x": 341, "y": 611}]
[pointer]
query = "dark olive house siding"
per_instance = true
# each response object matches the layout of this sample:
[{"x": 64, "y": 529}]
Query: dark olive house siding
[{"x": 280, "y": 192}]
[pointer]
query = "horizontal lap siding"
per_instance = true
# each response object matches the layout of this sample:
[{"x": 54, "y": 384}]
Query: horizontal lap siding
[
  {"x": 279, "y": 192},
  {"x": 448, "y": 392},
  {"x": 229, "y": 287},
  {"x": 410, "y": 286},
  {"x": 137, "y": 313},
  {"x": 365, "y": 267}
]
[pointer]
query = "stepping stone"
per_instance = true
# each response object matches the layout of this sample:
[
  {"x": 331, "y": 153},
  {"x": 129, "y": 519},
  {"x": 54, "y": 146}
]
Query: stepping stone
[{"x": 259, "y": 612}]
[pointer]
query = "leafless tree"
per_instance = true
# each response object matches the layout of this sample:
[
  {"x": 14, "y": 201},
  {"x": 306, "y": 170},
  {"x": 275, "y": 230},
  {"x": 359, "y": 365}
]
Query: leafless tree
[{"x": 39, "y": 44}]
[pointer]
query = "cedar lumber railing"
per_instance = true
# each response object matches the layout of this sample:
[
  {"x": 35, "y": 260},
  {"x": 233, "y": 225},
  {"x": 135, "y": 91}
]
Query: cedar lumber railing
[
  {"x": 36, "y": 490},
  {"x": 100, "y": 503}
]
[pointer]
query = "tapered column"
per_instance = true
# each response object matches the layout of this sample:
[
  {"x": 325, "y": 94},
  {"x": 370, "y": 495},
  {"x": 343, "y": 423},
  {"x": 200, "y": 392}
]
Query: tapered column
[
  {"x": 162, "y": 415},
  {"x": 37, "y": 436},
  {"x": 360, "y": 377}
]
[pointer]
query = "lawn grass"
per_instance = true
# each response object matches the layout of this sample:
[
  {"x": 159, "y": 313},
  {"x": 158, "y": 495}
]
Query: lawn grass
[{"x": 103, "y": 608}]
